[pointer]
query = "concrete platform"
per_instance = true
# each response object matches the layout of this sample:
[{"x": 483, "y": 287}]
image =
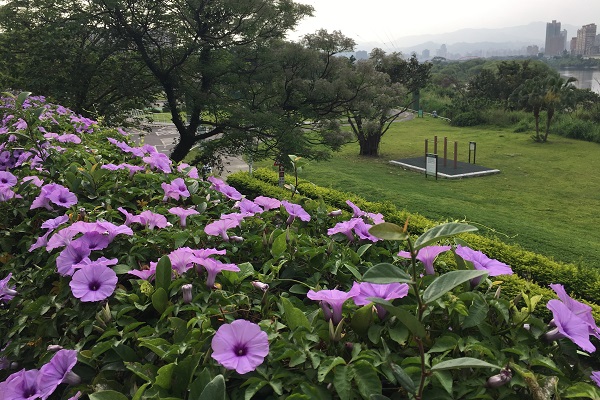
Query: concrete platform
[{"x": 462, "y": 170}]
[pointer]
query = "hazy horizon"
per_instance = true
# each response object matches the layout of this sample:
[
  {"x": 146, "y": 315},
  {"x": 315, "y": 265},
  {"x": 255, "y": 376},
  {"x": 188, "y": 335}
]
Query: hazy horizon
[{"x": 386, "y": 20}]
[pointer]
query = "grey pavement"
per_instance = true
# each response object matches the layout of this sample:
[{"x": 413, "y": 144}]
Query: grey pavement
[{"x": 164, "y": 136}]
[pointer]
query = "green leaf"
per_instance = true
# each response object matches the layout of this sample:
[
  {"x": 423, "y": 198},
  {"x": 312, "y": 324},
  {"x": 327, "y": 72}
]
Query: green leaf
[
  {"x": 477, "y": 312},
  {"x": 163, "y": 274},
  {"x": 254, "y": 385},
  {"x": 582, "y": 390},
  {"x": 138, "y": 394},
  {"x": 327, "y": 365},
  {"x": 386, "y": 273},
  {"x": 160, "y": 300},
  {"x": 366, "y": 378},
  {"x": 215, "y": 390},
  {"x": 403, "y": 379},
  {"x": 164, "y": 375},
  {"x": 444, "y": 343},
  {"x": 447, "y": 282},
  {"x": 445, "y": 380},
  {"x": 279, "y": 245},
  {"x": 405, "y": 317},
  {"x": 442, "y": 231},
  {"x": 463, "y": 362},
  {"x": 107, "y": 395},
  {"x": 294, "y": 317},
  {"x": 388, "y": 231},
  {"x": 362, "y": 249},
  {"x": 362, "y": 319},
  {"x": 21, "y": 98},
  {"x": 246, "y": 270},
  {"x": 342, "y": 382}
]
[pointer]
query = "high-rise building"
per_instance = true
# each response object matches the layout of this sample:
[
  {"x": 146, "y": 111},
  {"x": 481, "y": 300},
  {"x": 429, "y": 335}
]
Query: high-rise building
[
  {"x": 556, "y": 40},
  {"x": 585, "y": 40}
]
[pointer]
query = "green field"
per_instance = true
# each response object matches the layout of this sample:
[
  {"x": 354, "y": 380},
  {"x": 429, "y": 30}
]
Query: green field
[{"x": 546, "y": 198}]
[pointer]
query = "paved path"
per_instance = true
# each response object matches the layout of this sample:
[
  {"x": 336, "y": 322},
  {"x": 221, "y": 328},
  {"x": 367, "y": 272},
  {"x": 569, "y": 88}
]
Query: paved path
[{"x": 164, "y": 136}]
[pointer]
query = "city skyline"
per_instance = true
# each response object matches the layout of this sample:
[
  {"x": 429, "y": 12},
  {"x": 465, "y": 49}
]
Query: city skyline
[{"x": 386, "y": 20}]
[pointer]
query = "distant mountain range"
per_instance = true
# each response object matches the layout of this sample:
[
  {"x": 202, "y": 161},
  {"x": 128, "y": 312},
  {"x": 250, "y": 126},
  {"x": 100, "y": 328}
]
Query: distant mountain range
[{"x": 462, "y": 41}]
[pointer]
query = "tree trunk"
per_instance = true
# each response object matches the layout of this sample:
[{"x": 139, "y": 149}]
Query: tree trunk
[
  {"x": 183, "y": 146},
  {"x": 548, "y": 121},
  {"x": 369, "y": 145}
]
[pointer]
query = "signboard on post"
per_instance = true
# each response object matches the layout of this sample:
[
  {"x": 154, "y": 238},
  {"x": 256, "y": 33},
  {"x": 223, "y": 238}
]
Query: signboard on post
[
  {"x": 281, "y": 173},
  {"x": 472, "y": 149},
  {"x": 431, "y": 165}
]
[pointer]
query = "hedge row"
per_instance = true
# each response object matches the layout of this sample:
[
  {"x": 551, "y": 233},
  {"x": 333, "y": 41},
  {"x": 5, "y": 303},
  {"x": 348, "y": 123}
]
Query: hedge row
[{"x": 534, "y": 272}]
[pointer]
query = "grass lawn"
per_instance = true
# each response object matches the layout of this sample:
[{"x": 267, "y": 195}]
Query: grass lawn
[{"x": 546, "y": 198}]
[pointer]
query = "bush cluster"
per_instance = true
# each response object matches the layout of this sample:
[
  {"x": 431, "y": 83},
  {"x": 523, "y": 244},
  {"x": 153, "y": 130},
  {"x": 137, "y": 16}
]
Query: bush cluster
[{"x": 125, "y": 276}]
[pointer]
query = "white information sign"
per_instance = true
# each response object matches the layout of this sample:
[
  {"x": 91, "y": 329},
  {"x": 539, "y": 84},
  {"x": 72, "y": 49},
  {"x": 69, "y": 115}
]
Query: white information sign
[{"x": 431, "y": 165}]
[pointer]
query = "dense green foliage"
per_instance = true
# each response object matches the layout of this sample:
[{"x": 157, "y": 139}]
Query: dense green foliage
[{"x": 444, "y": 335}]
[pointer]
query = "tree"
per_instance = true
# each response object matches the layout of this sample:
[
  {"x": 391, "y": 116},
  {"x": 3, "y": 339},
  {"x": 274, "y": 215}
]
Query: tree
[
  {"x": 544, "y": 94},
  {"x": 60, "y": 50},
  {"x": 386, "y": 86},
  {"x": 190, "y": 47}
]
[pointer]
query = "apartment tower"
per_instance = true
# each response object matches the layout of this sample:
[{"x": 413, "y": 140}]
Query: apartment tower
[{"x": 556, "y": 40}]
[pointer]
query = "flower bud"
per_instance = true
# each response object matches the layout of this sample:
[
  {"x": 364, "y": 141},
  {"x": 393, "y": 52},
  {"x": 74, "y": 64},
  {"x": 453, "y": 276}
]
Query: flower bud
[
  {"x": 554, "y": 334},
  {"x": 335, "y": 213},
  {"x": 54, "y": 347},
  {"x": 237, "y": 239},
  {"x": 500, "y": 379},
  {"x": 186, "y": 291},
  {"x": 71, "y": 378},
  {"x": 259, "y": 285}
]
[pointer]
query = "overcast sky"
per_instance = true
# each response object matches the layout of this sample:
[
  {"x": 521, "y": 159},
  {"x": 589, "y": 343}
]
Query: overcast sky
[{"x": 384, "y": 20}]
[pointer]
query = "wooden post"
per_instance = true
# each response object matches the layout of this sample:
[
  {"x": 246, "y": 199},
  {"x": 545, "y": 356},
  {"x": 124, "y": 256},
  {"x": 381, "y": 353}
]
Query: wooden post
[
  {"x": 426, "y": 148},
  {"x": 445, "y": 149},
  {"x": 435, "y": 145},
  {"x": 455, "y": 155}
]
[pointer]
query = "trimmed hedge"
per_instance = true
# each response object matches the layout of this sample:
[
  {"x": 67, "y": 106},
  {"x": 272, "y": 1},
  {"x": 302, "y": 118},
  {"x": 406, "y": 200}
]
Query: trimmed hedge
[{"x": 533, "y": 271}]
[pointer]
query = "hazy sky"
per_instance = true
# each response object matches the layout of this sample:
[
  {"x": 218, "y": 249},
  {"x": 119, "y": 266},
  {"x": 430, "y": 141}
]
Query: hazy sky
[{"x": 384, "y": 20}]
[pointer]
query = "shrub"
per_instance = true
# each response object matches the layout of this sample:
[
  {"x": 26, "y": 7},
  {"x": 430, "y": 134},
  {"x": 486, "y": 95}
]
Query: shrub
[{"x": 109, "y": 291}]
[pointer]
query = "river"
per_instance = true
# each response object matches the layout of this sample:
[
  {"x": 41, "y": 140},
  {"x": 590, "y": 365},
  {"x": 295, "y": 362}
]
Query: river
[{"x": 586, "y": 78}]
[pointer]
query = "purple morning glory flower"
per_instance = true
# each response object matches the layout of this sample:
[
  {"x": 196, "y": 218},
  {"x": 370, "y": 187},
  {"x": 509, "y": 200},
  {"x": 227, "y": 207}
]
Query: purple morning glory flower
[
  {"x": 145, "y": 274},
  {"x": 130, "y": 218},
  {"x": 61, "y": 196},
  {"x": 6, "y": 194},
  {"x": 152, "y": 220},
  {"x": 267, "y": 203},
  {"x": 57, "y": 371},
  {"x": 204, "y": 253},
  {"x": 192, "y": 172},
  {"x": 332, "y": 301},
  {"x": 55, "y": 222},
  {"x": 596, "y": 377},
  {"x": 158, "y": 161},
  {"x": 248, "y": 207},
  {"x": 175, "y": 189},
  {"x": 295, "y": 211},
  {"x": 482, "y": 262},
  {"x": 69, "y": 138},
  {"x": 344, "y": 227},
  {"x": 7, "y": 292},
  {"x": 213, "y": 267},
  {"x": 181, "y": 259},
  {"x": 219, "y": 228},
  {"x": 42, "y": 199},
  {"x": 361, "y": 228},
  {"x": 427, "y": 256},
  {"x": 22, "y": 385},
  {"x": 241, "y": 346},
  {"x": 581, "y": 310},
  {"x": 61, "y": 238},
  {"x": 93, "y": 282},
  {"x": 74, "y": 253},
  {"x": 94, "y": 240},
  {"x": 569, "y": 325},
  {"x": 7, "y": 179},
  {"x": 387, "y": 291},
  {"x": 182, "y": 213}
]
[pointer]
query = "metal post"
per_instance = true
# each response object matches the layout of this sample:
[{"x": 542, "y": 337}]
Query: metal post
[
  {"x": 426, "y": 148},
  {"x": 435, "y": 145}
]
